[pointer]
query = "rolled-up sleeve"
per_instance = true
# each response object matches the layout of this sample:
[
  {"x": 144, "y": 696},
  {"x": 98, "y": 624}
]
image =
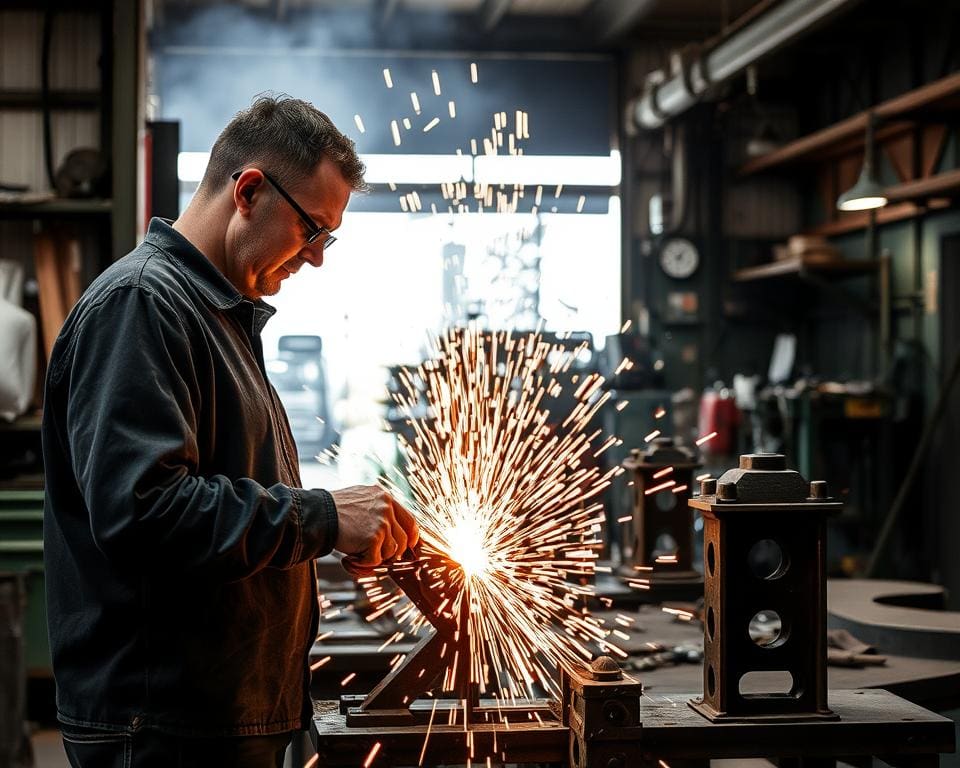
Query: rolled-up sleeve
[{"x": 132, "y": 423}]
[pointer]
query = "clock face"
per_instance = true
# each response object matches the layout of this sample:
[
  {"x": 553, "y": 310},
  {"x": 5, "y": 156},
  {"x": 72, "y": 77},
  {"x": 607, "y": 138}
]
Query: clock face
[{"x": 679, "y": 258}]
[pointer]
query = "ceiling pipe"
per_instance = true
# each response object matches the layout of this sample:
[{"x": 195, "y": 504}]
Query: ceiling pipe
[{"x": 701, "y": 67}]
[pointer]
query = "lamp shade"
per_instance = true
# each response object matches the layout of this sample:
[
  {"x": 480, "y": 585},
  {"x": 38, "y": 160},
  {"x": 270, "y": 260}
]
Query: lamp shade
[{"x": 865, "y": 194}]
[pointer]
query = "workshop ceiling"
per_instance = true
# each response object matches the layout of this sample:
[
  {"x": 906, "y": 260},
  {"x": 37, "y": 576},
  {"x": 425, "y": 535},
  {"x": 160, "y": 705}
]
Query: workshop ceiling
[{"x": 583, "y": 23}]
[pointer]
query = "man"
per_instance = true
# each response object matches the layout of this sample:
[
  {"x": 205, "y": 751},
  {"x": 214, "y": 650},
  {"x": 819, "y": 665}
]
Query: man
[{"x": 179, "y": 546}]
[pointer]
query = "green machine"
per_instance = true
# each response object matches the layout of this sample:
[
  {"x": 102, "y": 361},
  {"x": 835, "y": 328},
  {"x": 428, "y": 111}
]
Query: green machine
[{"x": 21, "y": 552}]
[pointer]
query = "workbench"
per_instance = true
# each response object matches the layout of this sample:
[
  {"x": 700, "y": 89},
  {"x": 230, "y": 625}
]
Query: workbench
[
  {"x": 873, "y": 723},
  {"x": 353, "y": 648}
]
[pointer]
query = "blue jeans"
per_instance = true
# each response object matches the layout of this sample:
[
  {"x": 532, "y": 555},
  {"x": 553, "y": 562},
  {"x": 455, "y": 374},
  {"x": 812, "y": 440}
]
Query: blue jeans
[{"x": 92, "y": 748}]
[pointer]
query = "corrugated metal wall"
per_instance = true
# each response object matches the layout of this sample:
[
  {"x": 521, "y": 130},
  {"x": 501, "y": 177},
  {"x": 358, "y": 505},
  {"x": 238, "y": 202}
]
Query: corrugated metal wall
[{"x": 74, "y": 65}]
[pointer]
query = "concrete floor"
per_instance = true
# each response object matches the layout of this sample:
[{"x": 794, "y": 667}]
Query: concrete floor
[{"x": 48, "y": 749}]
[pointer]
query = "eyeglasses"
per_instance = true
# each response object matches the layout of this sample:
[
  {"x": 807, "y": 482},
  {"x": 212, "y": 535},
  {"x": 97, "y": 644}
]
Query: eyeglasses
[{"x": 315, "y": 230}]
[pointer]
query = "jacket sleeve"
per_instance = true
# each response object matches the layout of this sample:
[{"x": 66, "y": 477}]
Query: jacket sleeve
[{"x": 131, "y": 423}]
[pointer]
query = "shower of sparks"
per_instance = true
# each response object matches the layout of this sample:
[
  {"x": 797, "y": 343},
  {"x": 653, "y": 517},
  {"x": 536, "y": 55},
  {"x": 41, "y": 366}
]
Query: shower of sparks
[
  {"x": 436, "y": 82},
  {"x": 387, "y": 79},
  {"x": 473, "y": 72},
  {"x": 359, "y": 121},
  {"x": 706, "y": 438},
  {"x": 505, "y": 495}
]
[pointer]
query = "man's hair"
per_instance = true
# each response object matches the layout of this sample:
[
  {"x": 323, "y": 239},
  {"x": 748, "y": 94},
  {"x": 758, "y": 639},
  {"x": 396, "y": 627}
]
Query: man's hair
[{"x": 284, "y": 136}]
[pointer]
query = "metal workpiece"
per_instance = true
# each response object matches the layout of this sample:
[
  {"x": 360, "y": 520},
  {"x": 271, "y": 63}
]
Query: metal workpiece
[
  {"x": 602, "y": 711},
  {"x": 662, "y": 522},
  {"x": 765, "y": 611}
]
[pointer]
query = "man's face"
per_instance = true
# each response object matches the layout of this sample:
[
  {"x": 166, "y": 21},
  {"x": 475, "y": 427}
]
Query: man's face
[{"x": 267, "y": 239}]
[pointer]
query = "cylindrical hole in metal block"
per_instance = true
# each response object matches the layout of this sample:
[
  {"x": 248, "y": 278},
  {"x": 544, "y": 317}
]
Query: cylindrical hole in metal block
[
  {"x": 666, "y": 500},
  {"x": 665, "y": 545},
  {"x": 710, "y": 622},
  {"x": 766, "y": 629},
  {"x": 711, "y": 680},
  {"x": 767, "y": 560},
  {"x": 766, "y": 683},
  {"x": 711, "y": 558}
]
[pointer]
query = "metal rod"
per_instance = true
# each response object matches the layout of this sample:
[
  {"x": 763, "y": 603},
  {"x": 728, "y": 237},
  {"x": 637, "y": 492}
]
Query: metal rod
[{"x": 780, "y": 25}]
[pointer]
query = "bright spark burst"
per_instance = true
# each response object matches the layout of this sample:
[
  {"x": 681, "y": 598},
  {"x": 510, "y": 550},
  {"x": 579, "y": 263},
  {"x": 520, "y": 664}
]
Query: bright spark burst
[{"x": 504, "y": 492}]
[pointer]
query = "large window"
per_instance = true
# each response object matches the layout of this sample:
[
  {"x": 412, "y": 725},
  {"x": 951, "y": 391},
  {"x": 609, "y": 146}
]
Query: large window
[{"x": 396, "y": 276}]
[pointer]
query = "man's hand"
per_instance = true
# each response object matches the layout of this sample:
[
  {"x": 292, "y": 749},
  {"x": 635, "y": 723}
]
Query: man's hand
[{"x": 373, "y": 527}]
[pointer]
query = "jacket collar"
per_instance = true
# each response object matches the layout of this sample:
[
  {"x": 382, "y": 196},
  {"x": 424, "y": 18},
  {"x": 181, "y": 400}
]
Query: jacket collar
[{"x": 209, "y": 280}]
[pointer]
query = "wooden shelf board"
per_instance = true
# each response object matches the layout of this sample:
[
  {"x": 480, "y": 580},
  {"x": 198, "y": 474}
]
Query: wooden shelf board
[
  {"x": 939, "y": 184},
  {"x": 907, "y": 103},
  {"x": 55, "y": 207},
  {"x": 798, "y": 265},
  {"x": 17, "y": 99},
  {"x": 28, "y": 423},
  {"x": 856, "y": 220}
]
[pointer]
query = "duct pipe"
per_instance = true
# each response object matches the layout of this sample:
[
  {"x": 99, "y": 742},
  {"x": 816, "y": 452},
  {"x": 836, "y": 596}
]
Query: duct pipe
[{"x": 700, "y": 68}]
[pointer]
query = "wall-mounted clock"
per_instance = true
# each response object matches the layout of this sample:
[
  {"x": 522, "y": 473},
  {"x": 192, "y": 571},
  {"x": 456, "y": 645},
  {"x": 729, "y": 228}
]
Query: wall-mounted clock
[{"x": 679, "y": 258}]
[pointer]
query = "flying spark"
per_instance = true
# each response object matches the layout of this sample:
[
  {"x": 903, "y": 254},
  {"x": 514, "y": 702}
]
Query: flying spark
[
  {"x": 358, "y": 120},
  {"x": 415, "y": 101},
  {"x": 436, "y": 82},
  {"x": 473, "y": 72},
  {"x": 373, "y": 751},
  {"x": 706, "y": 438},
  {"x": 387, "y": 79}
]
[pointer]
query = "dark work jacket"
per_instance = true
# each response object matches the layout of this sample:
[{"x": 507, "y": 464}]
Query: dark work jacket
[{"x": 178, "y": 546}]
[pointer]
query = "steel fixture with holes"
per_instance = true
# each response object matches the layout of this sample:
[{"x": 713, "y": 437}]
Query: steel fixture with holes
[
  {"x": 662, "y": 522},
  {"x": 765, "y": 603}
]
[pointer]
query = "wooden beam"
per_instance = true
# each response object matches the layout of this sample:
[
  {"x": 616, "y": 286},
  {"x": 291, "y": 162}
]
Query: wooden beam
[
  {"x": 492, "y": 11},
  {"x": 845, "y": 129},
  {"x": 611, "y": 19},
  {"x": 932, "y": 142}
]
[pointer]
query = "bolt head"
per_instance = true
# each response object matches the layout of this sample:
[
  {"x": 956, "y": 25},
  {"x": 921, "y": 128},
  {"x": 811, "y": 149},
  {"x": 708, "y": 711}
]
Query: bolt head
[
  {"x": 727, "y": 491},
  {"x": 765, "y": 461}
]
